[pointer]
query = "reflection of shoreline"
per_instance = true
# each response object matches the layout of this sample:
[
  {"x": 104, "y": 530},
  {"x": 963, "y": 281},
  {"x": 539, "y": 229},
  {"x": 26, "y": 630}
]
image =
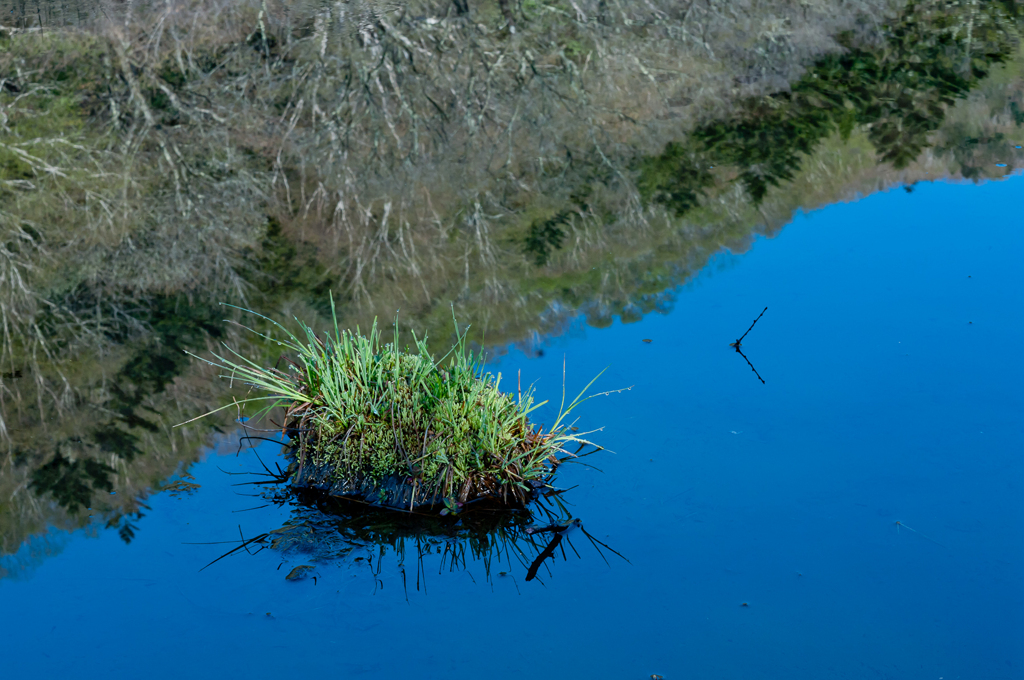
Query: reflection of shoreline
[
  {"x": 22, "y": 563},
  {"x": 957, "y": 178},
  {"x": 620, "y": 270},
  {"x": 565, "y": 316}
]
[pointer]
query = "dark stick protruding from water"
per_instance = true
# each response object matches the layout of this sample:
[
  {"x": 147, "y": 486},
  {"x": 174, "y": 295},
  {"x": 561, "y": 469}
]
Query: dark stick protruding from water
[
  {"x": 738, "y": 342},
  {"x": 736, "y": 345}
]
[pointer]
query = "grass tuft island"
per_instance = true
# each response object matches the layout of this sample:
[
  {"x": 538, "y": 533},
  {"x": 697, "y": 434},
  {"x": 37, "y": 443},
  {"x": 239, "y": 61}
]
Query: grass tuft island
[{"x": 369, "y": 421}]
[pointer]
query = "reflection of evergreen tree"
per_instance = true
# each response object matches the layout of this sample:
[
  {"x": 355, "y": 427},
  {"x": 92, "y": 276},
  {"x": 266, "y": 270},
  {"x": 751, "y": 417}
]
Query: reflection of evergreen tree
[
  {"x": 72, "y": 482},
  {"x": 898, "y": 91},
  {"x": 545, "y": 236},
  {"x": 173, "y": 323}
]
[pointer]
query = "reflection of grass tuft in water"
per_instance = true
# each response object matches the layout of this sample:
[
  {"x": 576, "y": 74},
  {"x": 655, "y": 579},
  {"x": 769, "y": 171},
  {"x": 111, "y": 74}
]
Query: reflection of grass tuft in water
[
  {"x": 370, "y": 420},
  {"x": 323, "y": 530}
]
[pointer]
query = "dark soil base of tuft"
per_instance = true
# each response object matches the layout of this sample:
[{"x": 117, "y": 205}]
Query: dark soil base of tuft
[
  {"x": 401, "y": 492},
  {"x": 393, "y": 492}
]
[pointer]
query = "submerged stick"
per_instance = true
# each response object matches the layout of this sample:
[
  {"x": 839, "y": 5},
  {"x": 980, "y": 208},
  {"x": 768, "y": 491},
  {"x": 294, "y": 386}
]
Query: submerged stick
[
  {"x": 548, "y": 551},
  {"x": 927, "y": 538},
  {"x": 244, "y": 546}
]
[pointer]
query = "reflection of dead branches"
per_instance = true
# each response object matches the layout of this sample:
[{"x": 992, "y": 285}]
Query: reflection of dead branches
[
  {"x": 378, "y": 105},
  {"x": 410, "y": 146}
]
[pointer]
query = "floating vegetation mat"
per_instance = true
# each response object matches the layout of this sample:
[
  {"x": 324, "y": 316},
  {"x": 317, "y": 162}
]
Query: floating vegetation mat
[{"x": 369, "y": 421}]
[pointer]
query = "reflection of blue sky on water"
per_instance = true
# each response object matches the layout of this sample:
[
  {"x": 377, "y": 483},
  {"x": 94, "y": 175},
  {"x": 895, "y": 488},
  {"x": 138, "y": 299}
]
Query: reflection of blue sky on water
[{"x": 891, "y": 351}]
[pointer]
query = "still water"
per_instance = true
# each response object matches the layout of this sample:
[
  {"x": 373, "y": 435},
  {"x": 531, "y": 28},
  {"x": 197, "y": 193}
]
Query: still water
[{"x": 858, "y": 515}]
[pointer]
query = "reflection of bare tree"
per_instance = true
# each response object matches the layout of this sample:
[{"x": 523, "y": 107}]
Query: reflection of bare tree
[{"x": 344, "y": 121}]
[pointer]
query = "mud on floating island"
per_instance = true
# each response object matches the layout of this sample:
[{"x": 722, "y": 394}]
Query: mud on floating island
[{"x": 371, "y": 422}]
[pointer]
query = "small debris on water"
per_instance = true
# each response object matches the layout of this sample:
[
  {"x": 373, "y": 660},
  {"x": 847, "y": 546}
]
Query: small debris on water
[
  {"x": 299, "y": 572},
  {"x": 655, "y": 676},
  {"x": 177, "y": 488},
  {"x": 648, "y": 340},
  {"x": 745, "y": 604}
]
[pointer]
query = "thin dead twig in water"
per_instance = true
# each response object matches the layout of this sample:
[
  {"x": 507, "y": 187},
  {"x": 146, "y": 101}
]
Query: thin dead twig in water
[{"x": 740, "y": 341}]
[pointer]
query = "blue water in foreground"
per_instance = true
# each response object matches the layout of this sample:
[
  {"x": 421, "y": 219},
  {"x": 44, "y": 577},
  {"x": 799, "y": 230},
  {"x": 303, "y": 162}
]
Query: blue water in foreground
[{"x": 892, "y": 357}]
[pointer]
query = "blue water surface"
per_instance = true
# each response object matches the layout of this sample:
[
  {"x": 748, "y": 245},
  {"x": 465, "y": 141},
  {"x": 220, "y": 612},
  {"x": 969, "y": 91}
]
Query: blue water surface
[{"x": 858, "y": 515}]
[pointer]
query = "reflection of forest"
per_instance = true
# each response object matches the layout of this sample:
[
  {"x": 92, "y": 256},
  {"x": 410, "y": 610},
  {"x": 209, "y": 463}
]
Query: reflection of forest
[
  {"x": 897, "y": 93},
  {"x": 153, "y": 166}
]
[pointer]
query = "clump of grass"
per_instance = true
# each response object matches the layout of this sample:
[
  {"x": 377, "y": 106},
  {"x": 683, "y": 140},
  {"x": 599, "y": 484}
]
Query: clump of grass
[{"x": 395, "y": 427}]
